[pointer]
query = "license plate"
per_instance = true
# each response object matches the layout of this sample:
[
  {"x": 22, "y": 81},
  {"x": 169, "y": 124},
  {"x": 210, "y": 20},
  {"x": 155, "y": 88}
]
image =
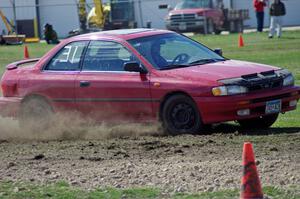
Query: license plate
[
  {"x": 273, "y": 107},
  {"x": 182, "y": 26}
]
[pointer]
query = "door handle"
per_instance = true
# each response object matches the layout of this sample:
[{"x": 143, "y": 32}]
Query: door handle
[{"x": 85, "y": 84}]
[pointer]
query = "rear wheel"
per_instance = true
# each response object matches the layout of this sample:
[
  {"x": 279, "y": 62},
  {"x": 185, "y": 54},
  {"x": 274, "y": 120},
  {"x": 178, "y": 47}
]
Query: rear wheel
[
  {"x": 180, "y": 115},
  {"x": 35, "y": 114},
  {"x": 218, "y": 31},
  {"x": 262, "y": 122}
]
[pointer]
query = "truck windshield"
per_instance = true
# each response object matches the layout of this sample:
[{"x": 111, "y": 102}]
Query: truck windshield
[
  {"x": 122, "y": 11},
  {"x": 171, "y": 50},
  {"x": 188, "y": 4}
]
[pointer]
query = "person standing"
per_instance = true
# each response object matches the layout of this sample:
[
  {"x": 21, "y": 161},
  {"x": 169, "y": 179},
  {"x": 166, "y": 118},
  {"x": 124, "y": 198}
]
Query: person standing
[
  {"x": 259, "y": 6},
  {"x": 277, "y": 11}
]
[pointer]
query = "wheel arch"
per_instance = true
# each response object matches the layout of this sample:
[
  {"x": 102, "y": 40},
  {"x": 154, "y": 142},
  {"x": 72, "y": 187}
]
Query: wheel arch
[
  {"x": 167, "y": 97},
  {"x": 37, "y": 96}
]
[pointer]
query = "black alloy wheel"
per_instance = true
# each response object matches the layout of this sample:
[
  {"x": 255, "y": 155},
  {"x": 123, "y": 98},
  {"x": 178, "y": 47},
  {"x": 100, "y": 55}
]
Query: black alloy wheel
[{"x": 180, "y": 115}]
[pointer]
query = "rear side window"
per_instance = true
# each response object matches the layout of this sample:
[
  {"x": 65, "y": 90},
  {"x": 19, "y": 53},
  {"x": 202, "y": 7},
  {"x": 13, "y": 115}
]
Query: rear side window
[
  {"x": 68, "y": 58},
  {"x": 106, "y": 56}
]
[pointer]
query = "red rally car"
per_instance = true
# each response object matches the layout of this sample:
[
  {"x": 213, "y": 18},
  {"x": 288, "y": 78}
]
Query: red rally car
[{"x": 147, "y": 75}]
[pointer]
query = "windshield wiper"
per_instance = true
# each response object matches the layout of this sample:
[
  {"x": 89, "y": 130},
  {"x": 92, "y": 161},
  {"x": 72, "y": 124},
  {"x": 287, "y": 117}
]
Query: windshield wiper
[
  {"x": 174, "y": 66},
  {"x": 205, "y": 61},
  {"x": 197, "y": 62}
]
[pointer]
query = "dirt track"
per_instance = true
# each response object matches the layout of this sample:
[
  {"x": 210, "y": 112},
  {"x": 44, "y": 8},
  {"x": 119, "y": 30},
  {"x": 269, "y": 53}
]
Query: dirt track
[{"x": 182, "y": 163}]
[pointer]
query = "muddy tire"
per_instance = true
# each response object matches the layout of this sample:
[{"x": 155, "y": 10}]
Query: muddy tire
[
  {"x": 263, "y": 122},
  {"x": 35, "y": 114},
  {"x": 180, "y": 115}
]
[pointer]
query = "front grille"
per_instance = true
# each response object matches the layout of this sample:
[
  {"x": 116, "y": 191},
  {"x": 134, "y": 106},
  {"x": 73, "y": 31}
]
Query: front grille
[
  {"x": 261, "y": 81},
  {"x": 265, "y": 85},
  {"x": 257, "y": 81},
  {"x": 183, "y": 17}
]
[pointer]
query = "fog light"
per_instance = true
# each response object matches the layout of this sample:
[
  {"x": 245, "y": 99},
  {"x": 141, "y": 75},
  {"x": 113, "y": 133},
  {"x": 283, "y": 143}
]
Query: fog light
[
  {"x": 243, "y": 112},
  {"x": 293, "y": 103}
]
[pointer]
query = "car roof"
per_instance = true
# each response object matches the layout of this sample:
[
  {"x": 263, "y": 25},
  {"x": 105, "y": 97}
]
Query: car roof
[{"x": 124, "y": 34}]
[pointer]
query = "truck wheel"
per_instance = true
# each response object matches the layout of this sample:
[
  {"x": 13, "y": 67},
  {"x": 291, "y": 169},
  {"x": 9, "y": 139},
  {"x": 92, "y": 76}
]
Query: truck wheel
[
  {"x": 240, "y": 26},
  {"x": 180, "y": 115},
  {"x": 35, "y": 114},
  {"x": 210, "y": 27},
  {"x": 262, "y": 122},
  {"x": 217, "y": 31}
]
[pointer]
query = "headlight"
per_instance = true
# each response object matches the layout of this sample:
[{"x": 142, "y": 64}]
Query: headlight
[
  {"x": 168, "y": 17},
  {"x": 289, "y": 80},
  {"x": 229, "y": 90}
]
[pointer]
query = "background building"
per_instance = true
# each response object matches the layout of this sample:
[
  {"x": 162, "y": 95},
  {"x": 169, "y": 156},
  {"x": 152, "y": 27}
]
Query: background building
[{"x": 31, "y": 15}]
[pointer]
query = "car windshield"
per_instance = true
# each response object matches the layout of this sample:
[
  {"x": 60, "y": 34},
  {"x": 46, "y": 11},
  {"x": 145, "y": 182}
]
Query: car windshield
[
  {"x": 171, "y": 50},
  {"x": 188, "y": 4}
]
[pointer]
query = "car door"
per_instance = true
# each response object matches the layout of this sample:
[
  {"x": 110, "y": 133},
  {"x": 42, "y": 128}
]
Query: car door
[
  {"x": 105, "y": 91},
  {"x": 56, "y": 81}
]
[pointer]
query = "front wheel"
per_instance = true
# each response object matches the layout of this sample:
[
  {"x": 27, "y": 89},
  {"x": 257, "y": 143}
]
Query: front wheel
[
  {"x": 180, "y": 115},
  {"x": 262, "y": 122},
  {"x": 210, "y": 27},
  {"x": 218, "y": 31}
]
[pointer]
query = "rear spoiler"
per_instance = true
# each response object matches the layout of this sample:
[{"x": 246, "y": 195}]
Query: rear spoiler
[{"x": 15, "y": 65}]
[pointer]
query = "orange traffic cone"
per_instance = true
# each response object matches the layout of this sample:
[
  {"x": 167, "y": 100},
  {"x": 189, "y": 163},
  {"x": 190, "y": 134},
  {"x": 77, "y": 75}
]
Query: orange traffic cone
[
  {"x": 251, "y": 187},
  {"x": 26, "y": 53},
  {"x": 241, "y": 41}
]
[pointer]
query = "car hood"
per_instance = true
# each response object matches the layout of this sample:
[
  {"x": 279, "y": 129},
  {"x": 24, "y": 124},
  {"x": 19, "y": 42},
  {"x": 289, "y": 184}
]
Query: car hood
[
  {"x": 189, "y": 11},
  {"x": 218, "y": 71}
]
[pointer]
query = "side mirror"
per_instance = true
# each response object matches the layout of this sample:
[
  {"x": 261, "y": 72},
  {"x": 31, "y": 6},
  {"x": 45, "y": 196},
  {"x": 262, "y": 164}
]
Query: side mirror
[
  {"x": 218, "y": 51},
  {"x": 134, "y": 67}
]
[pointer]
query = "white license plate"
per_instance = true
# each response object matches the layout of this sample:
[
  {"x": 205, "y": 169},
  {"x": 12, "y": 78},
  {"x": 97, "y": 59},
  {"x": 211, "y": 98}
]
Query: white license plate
[
  {"x": 182, "y": 26},
  {"x": 273, "y": 106}
]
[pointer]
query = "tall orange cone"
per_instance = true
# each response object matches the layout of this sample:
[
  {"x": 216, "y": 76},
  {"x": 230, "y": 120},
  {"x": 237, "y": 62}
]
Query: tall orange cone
[
  {"x": 251, "y": 187},
  {"x": 241, "y": 41},
  {"x": 26, "y": 53}
]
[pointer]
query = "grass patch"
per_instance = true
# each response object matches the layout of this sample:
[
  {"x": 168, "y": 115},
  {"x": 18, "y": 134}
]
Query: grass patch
[
  {"x": 62, "y": 190},
  {"x": 9, "y": 54}
]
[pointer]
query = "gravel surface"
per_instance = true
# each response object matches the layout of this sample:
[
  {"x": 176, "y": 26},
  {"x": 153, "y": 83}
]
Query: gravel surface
[{"x": 175, "y": 164}]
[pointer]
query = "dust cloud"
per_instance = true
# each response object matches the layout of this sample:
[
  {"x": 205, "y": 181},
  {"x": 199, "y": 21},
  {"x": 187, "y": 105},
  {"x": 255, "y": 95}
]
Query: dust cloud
[{"x": 71, "y": 126}]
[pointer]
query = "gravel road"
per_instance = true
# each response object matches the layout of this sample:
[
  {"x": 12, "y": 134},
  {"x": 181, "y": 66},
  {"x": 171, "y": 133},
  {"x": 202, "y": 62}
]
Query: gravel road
[{"x": 175, "y": 164}]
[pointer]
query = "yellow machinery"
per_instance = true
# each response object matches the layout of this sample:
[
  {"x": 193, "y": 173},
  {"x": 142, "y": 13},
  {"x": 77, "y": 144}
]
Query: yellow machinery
[
  {"x": 82, "y": 14},
  {"x": 11, "y": 38},
  {"x": 96, "y": 17},
  {"x": 7, "y": 24},
  {"x": 115, "y": 14}
]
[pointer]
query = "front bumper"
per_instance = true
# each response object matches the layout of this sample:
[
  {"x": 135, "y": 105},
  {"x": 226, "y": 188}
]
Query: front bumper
[
  {"x": 9, "y": 106},
  {"x": 222, "y": 109}
]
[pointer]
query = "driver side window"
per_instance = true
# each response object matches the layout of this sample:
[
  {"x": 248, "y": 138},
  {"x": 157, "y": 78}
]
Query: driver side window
[{"x": 106, "y": 56}]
